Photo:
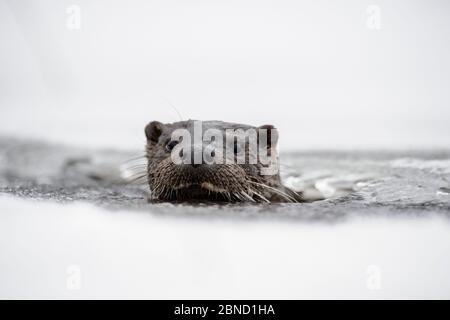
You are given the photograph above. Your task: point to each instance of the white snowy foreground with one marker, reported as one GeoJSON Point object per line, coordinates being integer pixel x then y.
{"type": "Point", "coordinates": [77, 250]}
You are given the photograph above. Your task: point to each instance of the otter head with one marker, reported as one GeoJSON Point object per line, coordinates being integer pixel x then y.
{"type": "Point", "coordinates": [214, 161]}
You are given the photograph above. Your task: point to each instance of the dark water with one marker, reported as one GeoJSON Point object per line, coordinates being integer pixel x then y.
{"type": "Point", "coordinates": [351, 183]}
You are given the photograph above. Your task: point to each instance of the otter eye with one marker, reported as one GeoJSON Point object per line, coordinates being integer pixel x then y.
{"type": "Point", "coordinates": [171, 145]}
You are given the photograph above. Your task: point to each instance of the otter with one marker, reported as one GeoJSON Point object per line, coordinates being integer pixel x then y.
{"type": "Point", "coordinates": [227, 181]}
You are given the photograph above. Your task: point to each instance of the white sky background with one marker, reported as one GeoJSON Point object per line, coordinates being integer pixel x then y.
{"type": "Point", "coordinates": [312, 68]}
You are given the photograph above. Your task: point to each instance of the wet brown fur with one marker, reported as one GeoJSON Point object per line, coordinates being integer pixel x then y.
{"type": "Point", "coordinates": [207, 182]}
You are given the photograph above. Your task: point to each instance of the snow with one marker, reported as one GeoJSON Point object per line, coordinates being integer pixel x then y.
{"type": "Point", "coordinates": [127, 254]}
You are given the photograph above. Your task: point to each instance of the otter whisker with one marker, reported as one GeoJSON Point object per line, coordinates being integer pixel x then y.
{"type": "Point", "coordinates": [283, 194]}
{"type": "Point", "coordinates": [138, 174]}
{"type": "Point", "coordinates": [131, 172]}
{"type": "Point", "coordinates": [247, 196]}
{"type": "Point", "coordinates": [142, 157]}
{"type": "Point", "coordinates": [137, 166]}
{"type": "Point", "coordinates": [238, 196]}
{"type": "Point", "coordinates": [261, 196]}
{"type": "Point", "coordinates": [173, 107]}
{"type": "Point", "coordinates": [137, 180]}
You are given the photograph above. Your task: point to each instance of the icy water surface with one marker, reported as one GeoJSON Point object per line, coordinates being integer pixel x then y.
{"type": "Point", "coordinates": [352, 183]}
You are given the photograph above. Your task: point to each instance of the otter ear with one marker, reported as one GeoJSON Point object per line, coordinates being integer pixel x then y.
{"type": "Point", "coordinates": [153, 131]}
{"type": "Point", "coordinates": [272, 134]}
